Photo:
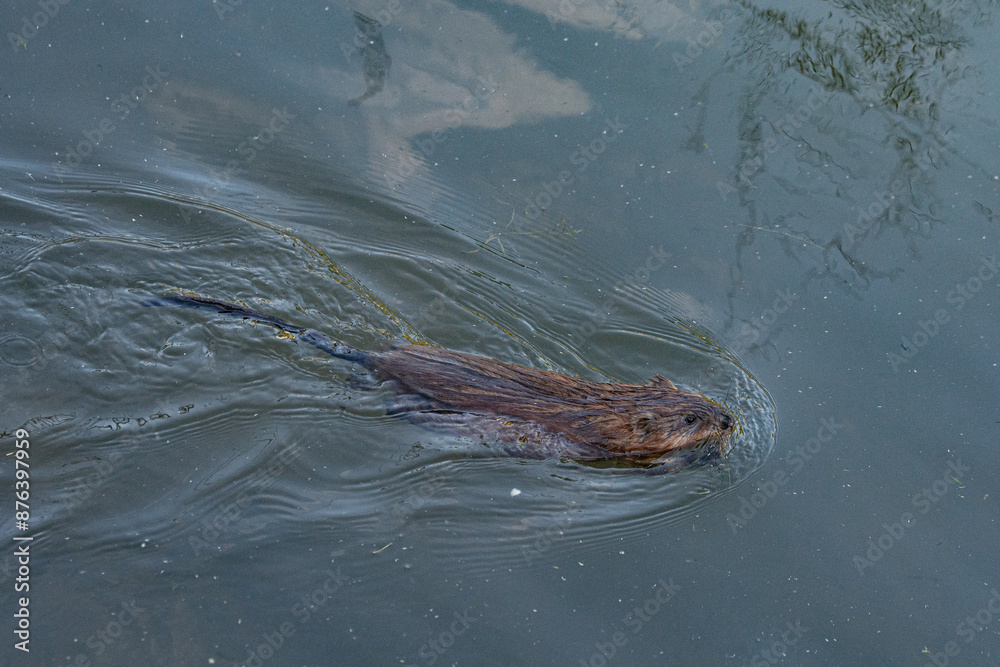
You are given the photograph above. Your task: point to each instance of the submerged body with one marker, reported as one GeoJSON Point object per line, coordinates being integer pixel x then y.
{"type": "Point", "coordinates": [534, 412]}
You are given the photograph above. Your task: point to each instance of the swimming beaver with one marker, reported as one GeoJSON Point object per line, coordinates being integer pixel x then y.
{"type": "Point", "coordinates": [538, 412]}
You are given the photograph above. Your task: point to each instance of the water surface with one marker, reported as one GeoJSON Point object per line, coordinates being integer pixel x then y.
{"type": "Point", "coordinates": [788, 209]}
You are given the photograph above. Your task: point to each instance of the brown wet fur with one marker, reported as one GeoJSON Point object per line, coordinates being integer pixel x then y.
{"type": "Point", "coordinates": [626, 419]}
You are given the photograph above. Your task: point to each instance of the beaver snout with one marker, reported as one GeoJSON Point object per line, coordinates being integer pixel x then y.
{"type": "Point", "coordinates": [725, 421]}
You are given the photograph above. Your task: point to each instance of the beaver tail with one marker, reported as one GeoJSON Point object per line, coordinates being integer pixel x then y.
{"type": "Point", "coordinates": [314, 338]}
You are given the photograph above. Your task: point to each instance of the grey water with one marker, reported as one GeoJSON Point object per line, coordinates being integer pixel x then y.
{"type": "Point", "coordinates": [786, 207]}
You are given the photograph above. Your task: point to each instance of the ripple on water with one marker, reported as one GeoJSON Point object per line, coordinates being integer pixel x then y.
{"type": "Point", "coordinates": [240, 435]}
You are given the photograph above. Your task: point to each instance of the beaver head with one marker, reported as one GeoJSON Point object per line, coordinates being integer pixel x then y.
{"type": "Point", "coordinates": [648, 419]}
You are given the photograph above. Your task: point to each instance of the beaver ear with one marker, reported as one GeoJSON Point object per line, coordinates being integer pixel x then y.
{"type": "Point", "coordinates": [663, 383]}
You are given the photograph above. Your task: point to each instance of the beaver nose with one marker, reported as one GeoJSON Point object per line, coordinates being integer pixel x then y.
{"type": "Point", "coordinates": [727, 421]}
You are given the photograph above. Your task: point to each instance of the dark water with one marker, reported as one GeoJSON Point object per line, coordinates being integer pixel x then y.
{"type": "Point", "coordinates": [789, 209]}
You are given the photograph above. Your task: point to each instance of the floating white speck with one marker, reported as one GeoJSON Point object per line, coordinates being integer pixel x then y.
{"type": "Point", "coordinates": [515, 492]}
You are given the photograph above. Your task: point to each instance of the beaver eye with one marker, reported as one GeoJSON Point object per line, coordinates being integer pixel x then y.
{"type": "Point", "coordinates": [690, 419]}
